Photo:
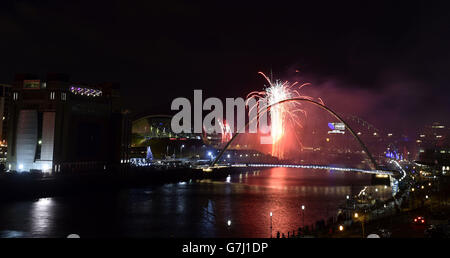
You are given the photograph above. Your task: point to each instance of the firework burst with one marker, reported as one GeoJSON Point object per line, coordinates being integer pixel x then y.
{"type": "Point", "coordinates": [282, 114]}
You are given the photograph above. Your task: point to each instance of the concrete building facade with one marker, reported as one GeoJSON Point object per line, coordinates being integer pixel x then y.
{"type": "Point", "coordinates": [57, 125]}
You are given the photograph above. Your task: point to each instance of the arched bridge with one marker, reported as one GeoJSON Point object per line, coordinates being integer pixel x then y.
{"type": "Point", "coordinates": [375, 170]}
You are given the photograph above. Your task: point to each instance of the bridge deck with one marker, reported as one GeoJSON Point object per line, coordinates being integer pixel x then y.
{"type": "Point", "coordinates": [323, 167]}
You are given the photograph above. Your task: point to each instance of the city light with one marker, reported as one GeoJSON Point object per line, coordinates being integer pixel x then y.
{"type": "Point", "coordinates": [129, 152]}
{"type": "Point", "coordinates": [85, 91]}
{"type": "Point", "coordinates": [46, 168]}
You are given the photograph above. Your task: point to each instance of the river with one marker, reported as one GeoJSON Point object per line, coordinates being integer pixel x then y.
{"type": "Point", "coordinates": [192, 209]}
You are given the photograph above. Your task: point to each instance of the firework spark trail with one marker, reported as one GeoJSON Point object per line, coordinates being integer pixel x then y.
{"type": "Point", "coordinates": [282, 114]}
{"type": "Point", "coordinates": [225, 132]}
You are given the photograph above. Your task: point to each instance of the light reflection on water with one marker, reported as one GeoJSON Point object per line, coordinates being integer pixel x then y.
{"type": "Point", "coordinates": [42, 216]}
{"type": "Point", "coordinates": [192, 209]}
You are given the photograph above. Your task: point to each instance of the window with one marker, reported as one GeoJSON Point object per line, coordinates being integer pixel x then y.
{"type": "Point", "coordinates": [31, 84]}
{"type": "Point", "coordinates": [15, 95]}
{"type": "Point", "coordinates": [63, 96]}
{"type": "Point", "coordinates": [52, 95]}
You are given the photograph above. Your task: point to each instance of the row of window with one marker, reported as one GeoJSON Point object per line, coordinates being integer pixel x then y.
{"type": "Point", "coordinates": [52, 96]}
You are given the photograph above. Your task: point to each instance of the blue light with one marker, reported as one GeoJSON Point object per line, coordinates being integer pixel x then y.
{"type": "Point", "coordinates": [331, 126]}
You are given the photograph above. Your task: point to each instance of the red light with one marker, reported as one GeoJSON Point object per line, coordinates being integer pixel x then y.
{"type": "Point", "coordinates": [423, 221]}
{"type": "Point", "coordinates": [415, 220]}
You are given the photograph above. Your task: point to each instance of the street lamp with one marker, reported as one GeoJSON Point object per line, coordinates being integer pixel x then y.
{"type": "Point", "coordinates": [356, 215]}
{"type": "Point", "coordinates": [229, 227]}
{"type": "Point", "coordinates": [303, 213]}
{"type": "Point", "coordinates": [270, 224]}
{"type": "Point", "coordinates": [341, 228]}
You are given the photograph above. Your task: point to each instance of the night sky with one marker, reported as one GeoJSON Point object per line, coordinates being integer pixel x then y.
{"type": "Point", "coordinates": [389, 62]}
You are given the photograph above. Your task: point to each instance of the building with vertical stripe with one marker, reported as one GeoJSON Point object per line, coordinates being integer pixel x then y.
{"type": "Point", "coordinates": [55, 125]}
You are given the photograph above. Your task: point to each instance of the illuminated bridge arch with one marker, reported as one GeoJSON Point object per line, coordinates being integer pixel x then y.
{"type": "Point", "coordinates": [144, 116]}
{"type": "Point", "coordinates": [310, 101]}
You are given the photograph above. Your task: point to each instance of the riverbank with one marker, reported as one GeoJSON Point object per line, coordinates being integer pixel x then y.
{"type": "Point", "coordinates": [427, 199]}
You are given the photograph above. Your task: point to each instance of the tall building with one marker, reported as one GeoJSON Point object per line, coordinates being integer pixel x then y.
{"type": "Point", "coordinates": [55, 125]}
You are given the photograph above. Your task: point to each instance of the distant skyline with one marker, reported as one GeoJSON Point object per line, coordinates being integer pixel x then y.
{"type": "Point", "coordinates": [389, 60]}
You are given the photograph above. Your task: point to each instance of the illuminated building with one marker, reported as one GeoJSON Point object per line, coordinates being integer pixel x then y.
{"type": "Point", "coordinates": [5, 90]}
{"type": "Point", "coordinates": [433, 144]}
{"type": "Point", "coordinates": [432, 137]}
{"type": "Point", "coordinates": [59, 126]}
{"type": "Point", "coordinates": [4, 103]}
{"type": "Point", "coordinates": [155, 131]}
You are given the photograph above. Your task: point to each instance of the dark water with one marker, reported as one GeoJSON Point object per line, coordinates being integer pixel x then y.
{"type": "Point", "coordinates": [192, 209]}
